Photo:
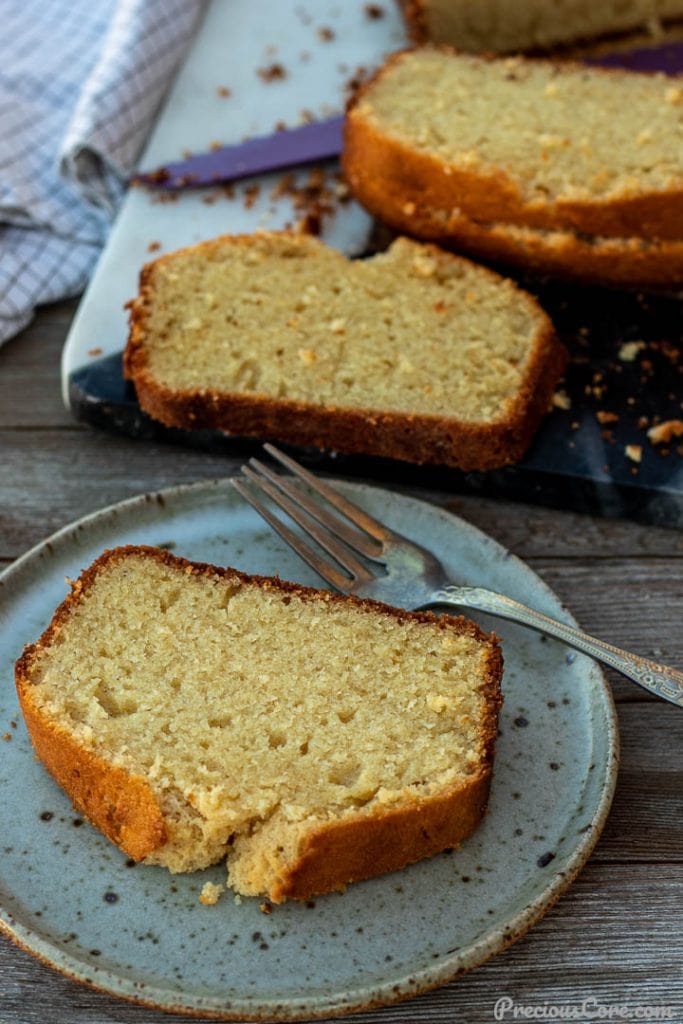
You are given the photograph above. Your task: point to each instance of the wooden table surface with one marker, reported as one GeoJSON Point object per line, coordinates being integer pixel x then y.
{"type": "Point", "coordinates": [615, 938]}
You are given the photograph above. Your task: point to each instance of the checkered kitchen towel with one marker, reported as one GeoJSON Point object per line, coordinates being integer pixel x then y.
{"type": "Point", "coordinates": [80, 83]}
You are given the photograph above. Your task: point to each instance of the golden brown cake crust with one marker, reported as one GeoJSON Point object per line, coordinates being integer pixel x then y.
{"type": "Point", "coordinates": [418, 438]}
{"type": "Point", "coordinates": [124, 808]}
{"type": "Point", "coordinates": [119, 804]}
{"type": "Point", "coordinates": [361, 847]}
{"type": "Point", "coordinates": [375, 163]}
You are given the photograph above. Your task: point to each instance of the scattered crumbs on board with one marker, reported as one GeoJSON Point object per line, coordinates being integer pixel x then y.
{"type": "Point", "coordinates": [663, 433]}
{"type": "Point", "coordinates": [272, 73]}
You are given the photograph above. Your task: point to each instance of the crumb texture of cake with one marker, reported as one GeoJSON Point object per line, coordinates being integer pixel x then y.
{"type": "Point", "coordinates": [195, 713]}
{"type": "Point", "coordinates": [529, 142]}
{"type": "Point", "coordinates": [508, 25]}
{"type": "Point", "coordinates": [413, 353]}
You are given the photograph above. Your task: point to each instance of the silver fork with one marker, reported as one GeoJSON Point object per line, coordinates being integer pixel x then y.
{"type": "Point", "coordinates": [413, 578]}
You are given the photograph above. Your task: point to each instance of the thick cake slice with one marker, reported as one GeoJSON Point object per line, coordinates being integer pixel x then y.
{"type": "Point", "coordinates": [194, 713]}
{"type": "Point", "coordinates": [413, 354]}
{"type": "Point", "coordinates": [538, 144]}
{"type": "Point", "coordinates": [508, 25]}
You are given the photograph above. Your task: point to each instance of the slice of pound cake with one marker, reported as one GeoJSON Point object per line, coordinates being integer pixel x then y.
{"type": "Point", "coordinates": [194, 713]}
{"type": "Point", "coordinates": [412, 354]}
{"type": "Point", "coordinates": [508, 25]}
{"type": "Point", "coordinates": [528, 142]}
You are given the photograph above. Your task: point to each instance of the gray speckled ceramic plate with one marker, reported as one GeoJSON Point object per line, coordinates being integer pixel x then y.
{"type": "Point", "coordinates": [70, 897]}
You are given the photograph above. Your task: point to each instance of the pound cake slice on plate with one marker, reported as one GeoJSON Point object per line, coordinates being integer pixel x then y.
{"type": "Point", "coordinates": [194, 713]}
{"type": "Point", "coordinates": [412, 354]}
{"type": "Point", "coordinates": [528, 142]}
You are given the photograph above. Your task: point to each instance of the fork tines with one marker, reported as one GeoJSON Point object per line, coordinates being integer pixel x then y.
{"type": "Point", "coordinates": [316, 519]}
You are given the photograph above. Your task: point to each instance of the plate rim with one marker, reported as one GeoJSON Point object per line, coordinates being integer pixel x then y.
{"type": "Point", "coordinates": [449, 967]}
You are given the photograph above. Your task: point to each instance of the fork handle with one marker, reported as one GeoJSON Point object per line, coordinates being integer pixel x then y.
{"type": "Point", "coordinates": [664, 682]}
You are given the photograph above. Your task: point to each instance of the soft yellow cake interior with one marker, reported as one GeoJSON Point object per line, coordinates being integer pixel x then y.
{"type": "Point", "coordinates": [412, 330]}
{"type": "Point", "coordinates": [253, 711]}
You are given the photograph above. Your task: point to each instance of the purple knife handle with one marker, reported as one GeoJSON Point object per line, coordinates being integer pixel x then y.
{"type": "Point", "coordinates": [321, 140]}
{"type": "Point", "coordinates": [667, 58]}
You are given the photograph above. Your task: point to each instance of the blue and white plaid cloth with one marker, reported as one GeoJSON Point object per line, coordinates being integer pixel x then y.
{"type": "Point", "coordinates": [80, 83]}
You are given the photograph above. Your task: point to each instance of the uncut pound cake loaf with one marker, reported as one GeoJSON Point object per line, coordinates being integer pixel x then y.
{"type": "Point", "coordinates": [511, 25]}
{"type": "Point", "coordinates": [512, 141]}
{"type": "Point", "coordinates": [412, 354]}
{"type": "Point", "coordinates": [194, 713]}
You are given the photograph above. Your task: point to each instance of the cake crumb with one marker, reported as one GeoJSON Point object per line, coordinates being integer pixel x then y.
{"type": "Point", "coordinates": [266, 907]}
{"type": "Point", "coordinates": [251, 194]}
{"type": "Point", "coordinates": [272, 73]}
{"type": "Point", "coordinates": [224, 92]}
{"type": "Point", "coordinates": [325, 33]}
{"type": "Point", "coordinates": [374, 12]}
{"type": "Point", "coordinates": [97, 351]}
{"type": "Point", "coordinates": [210, 894]}
{"type": "Point", "coordinates": [7, 736]}
{"type": "Point", "coordinates": [634, 452]}
{"type": "Point", "coordinates": [664, 432]}
{"type": "Point", "coordinates": [561, 400]}
{"type": "Point", "coordinates": [154, 247]}
{"type": "Point", "coordinates": [629, 350]}
{"type": "Point", "coordinates": [602, 416]}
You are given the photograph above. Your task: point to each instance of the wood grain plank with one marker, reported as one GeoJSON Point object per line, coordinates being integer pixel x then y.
{"type": "Point", "coordinates": [634, 603]}
{"type": "Point", "coordinates": [646, 819]}
{"type": "Point", "coordinates": [615, 937]}
{"type": "Point", "coordinates": [30, 389]}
